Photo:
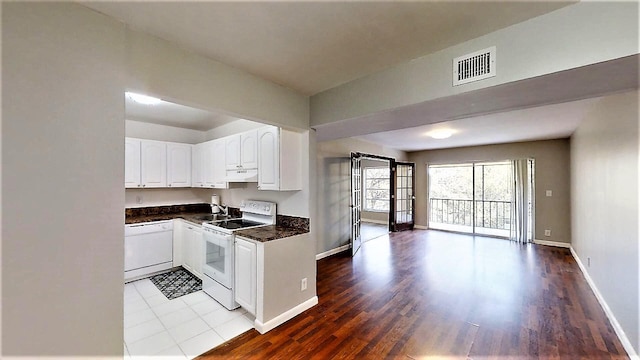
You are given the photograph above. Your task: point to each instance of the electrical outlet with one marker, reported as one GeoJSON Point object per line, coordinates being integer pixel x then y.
{"type": "Point", "coordinates": [303, 284]}
{"type": "Point", "coordinates": [588, 261]}
{"type": "Point", "coordinates": [549, 193]}
{"type": "Point", "coordinates": [547, 233]}
{"type": "Point", "coordinates": [138, 199]}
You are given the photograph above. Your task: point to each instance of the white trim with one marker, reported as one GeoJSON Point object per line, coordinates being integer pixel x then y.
{"type": "Point", "coordinates": [614, 322]}
{"type": "Point", "coordinates": [420, 227]}
{"type": "Point", "coordinates": [333, 251]}
{"type": "Point", "coordinates": [375, 221]}
{"type": "Point", "coordinates": [552, 243]}
{"type": "Point", "coordinates": [285, 316]}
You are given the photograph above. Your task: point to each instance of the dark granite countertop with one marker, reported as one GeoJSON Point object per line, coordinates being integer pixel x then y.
{"type": "Point", "coordinates": [270, 232]}
{"type": "Point", "coordinates": [286, 226]}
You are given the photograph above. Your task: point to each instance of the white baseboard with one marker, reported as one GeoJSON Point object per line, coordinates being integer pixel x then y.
{"type": "Point", "coordinates": [614, 322]}
{"type": "Point", "coordinates": [420, 227]}
{"type": "Point", "coordinates": [375, 221]}
{"type": "Point", "coordinates": [285, 316]}
{"type": "Point", "coordinates": [552, 243]}
{"type": "Point", "coordinates": [333, 251]}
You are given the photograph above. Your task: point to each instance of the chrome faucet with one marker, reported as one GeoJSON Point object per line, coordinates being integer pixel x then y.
{"type": "Point", "coordinates": [223, 207]}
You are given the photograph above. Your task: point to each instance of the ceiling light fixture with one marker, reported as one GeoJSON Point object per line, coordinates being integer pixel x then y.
{"type": "Point", "coordinates": [441, 133]}
{"type": "Point", "coordinates": [143, 99]}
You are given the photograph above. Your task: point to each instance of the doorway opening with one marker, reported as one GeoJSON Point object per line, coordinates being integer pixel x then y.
{"type": "Point", "coordinates": [478, 198]}
{"type": "Point", "coordinates": [380, 187]}
{"type": "Point", "coordinates": [376, 197]}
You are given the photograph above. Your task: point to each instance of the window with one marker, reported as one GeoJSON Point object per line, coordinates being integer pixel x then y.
{"type": "Point", "coordinates": [376, 188]}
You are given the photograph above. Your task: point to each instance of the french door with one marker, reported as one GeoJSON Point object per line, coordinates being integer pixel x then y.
{"type": "Point", "coordinates": [403, 197]}
{"type": "Point", "coordinates": [356, 202]}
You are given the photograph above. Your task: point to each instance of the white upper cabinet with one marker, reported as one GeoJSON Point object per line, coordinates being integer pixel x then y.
{"type": "Point", "coordinates": [153, 163]}
{"type": "Point", "coordinates": [241, 151]}
{"type": "Point", "coordinates": [197, 166]}
{"type": "Point", "coordinates": [208, 165]}
{"type": "Point", "coordinates": [132, 163]}
{"type": "Point", "coordinates": [217, 155]}
{"type": "Point", "coordinates": [249, 149]}
{"type": "Point", "coordinates": [279, 159]}
{"type": "Point", "coordinates": [232, 153]}
{"type": "Point", "coordinates": [178, 165]}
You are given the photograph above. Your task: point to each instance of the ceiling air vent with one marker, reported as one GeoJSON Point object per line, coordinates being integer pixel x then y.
{"type": "Point", "coordinates": [475, 66]}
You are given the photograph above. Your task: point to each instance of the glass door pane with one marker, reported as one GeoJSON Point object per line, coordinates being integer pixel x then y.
{"type": "Point", "coordinates": [493, 198]}
{"type": "Point", "coordinates": [451, 197]}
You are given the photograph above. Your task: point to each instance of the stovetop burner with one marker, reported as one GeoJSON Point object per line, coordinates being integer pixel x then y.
{"type": "Point", "coordinates": [235, 224]}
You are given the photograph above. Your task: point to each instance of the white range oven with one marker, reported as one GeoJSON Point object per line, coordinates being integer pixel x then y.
{"type": "Point", "coordinates": [219, 243]}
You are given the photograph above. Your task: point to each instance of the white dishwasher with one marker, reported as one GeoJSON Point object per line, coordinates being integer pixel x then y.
{"type": "Point", "coordinates": [148, 248]}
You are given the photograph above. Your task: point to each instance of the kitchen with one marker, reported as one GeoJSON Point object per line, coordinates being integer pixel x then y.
{"type": "Point", "coordinates": [182, 196]}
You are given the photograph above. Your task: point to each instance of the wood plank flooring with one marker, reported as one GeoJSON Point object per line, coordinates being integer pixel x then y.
{"type": "Point", "coordinates": [422, 293]}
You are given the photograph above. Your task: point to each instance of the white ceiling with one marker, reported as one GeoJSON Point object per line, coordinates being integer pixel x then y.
{"type": "Point", "coordinates": [314, 46]}
{"type": "Point", "coordinates": [171, 114]}
{"type": "Point", "coordinates": [539, 123]}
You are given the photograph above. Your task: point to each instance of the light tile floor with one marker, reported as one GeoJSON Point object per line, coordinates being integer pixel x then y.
{"type": "Point", "coordinates": [181, 328]}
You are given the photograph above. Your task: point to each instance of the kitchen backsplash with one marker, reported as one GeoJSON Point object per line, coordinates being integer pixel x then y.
{"type": "Point", "coordinates": [292, 222]}
{"type": "Point", "coordinates": [168, 209]}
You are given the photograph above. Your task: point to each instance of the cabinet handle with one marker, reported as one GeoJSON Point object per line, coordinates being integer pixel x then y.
{"type": "Point", "coordinates": [143, 185]}
{"type": "Point", "coordinates": [169, 185]}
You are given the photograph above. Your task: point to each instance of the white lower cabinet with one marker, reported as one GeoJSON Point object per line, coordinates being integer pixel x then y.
{"type": "Point", "coordinates": [189, 250]}
{"type": "Point", "coordinates": [245, 281]}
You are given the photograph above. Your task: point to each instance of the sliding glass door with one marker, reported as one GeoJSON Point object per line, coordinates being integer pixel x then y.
{"type": "Point", "coordinates": [473, 198]}
{"type": "Point", "coordinates": [493, 198]}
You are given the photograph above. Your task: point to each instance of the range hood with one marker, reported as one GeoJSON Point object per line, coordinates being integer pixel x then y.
{"type": "Point", "coordinates": [244, 175]}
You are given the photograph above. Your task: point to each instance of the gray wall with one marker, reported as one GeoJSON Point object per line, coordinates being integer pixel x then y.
{"type": "Point", "coordinates": [62, 184]}
{"type": "Point", "coordinates": [551, 173]}
{"type": "Point", "coordinates": [604, 193]}
{"type": "Point", "coordinates": [333, 171]}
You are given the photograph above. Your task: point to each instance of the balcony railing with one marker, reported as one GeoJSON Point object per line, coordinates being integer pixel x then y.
{"type": "Point", "coordinates": [459, 213]}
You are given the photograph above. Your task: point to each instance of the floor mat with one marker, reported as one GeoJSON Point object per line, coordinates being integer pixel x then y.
{"type": "Point", "coordinates": [176, 283]}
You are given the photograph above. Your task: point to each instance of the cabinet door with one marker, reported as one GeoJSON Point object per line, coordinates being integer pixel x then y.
{"type": "Point", "coordinates": [198, 252]}
{"type": "Point", "coordinates": [132, 163]}
{"type": "Point", "coordinates": [153, 163]}
{"type": "Point", "coordinates": [217, 153]}
{"type": "Point", "coordinates": [178, 240]}
{"type": "Point", "coordinates": [193, 253]}
{"type": "Point", "coordinates": [232, 152]}
{"type": "Point", "coordinates": [178, 165]}
{"type": "Point", "coordinates": [208, 167]}
{"type": "Point", "coordinates": [245, 274]}
{"type": "Point", "coordinates": [249, 149]}
{"type": "Point", "coordinates": [197, 166]}
{"type": "Point", "coordinates": [268, 159]}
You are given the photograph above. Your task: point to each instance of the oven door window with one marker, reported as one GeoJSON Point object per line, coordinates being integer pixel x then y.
{"type": "Point", "coordinates": [218, 260]}
{"type": "Point", "coordinates": [215, 256]}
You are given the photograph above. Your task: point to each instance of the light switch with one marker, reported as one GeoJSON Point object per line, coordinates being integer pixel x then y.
{"type": "Point", "coordinates": [549, 193]}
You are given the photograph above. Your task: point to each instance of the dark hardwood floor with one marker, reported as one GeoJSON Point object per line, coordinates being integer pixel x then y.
{"type": "Point", "coordinates": [419, 294]}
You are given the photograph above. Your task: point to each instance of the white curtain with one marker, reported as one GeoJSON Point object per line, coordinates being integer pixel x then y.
{"type": "Point", "coordinates": [520, 203]}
